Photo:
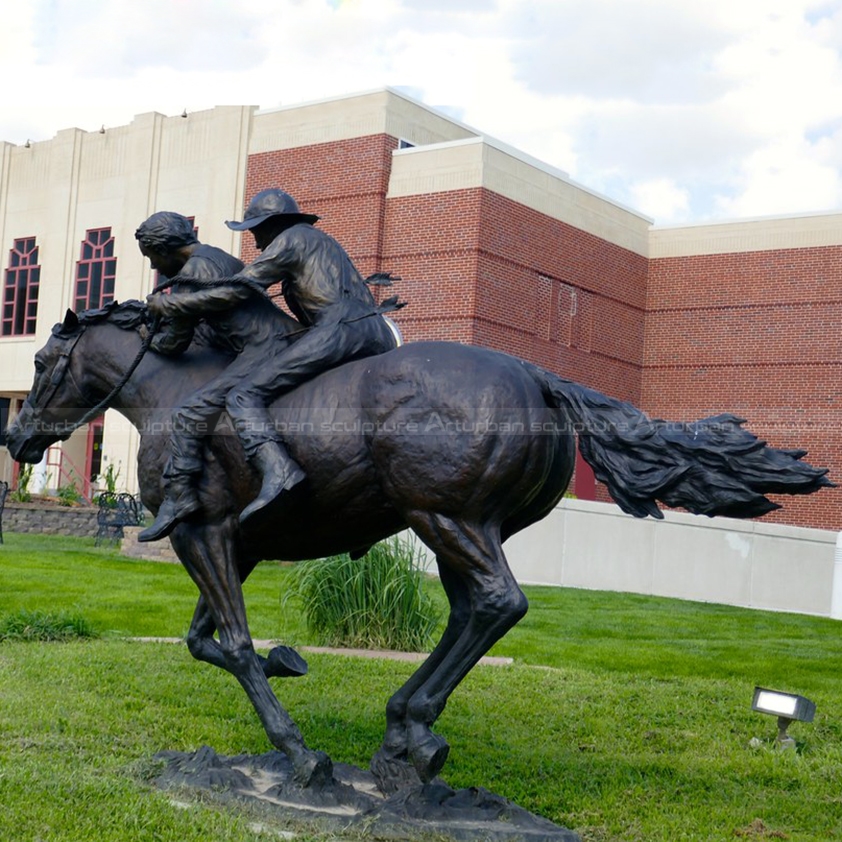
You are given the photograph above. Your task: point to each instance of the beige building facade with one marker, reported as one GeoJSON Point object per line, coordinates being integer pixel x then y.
{"type": "Point", "coordinates": [497, 248]}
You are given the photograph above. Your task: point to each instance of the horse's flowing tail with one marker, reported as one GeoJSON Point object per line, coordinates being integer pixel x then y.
{"type": "Point", "coordinates": [710, 467]}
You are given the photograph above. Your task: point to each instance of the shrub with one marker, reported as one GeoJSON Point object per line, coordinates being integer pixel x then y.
{"type": "Point", "coordinates": [68, 495]}
{"type": "Point", "coordinates": [42, 626]}
{"type": "Point", "coordinates": [377, 601]}
{"type": "Point", "coordinates": [22, 494]}
{"type": "Point", "coordinates": [110, 478]}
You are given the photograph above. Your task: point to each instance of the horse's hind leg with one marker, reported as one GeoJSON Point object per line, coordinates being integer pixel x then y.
{"type": "Point", "coordinates": [488, 602]}
{"type": "Point", "coordinates": [208, 556]}
{"type": "Point", "coordinates": [390, 765]}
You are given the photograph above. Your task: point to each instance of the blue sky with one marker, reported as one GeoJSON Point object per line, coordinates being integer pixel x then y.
{"type": "Point", "coordinates": [686, 111]}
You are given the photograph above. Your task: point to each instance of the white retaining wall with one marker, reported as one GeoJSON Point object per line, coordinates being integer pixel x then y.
{"type": "Point", "coordinates": [746, 563]}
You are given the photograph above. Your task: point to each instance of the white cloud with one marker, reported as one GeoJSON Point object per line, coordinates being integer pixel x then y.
{"type": "Point", "coordinates": [681, 109]}
{"type": "Point", "coordinates": [652, 51]}
{"type": "Point", "coordinates": [779, 180]}
{"type": "Point", "coordinates": [662, 199]}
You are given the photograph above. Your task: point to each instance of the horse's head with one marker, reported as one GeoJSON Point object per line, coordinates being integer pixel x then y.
{"type": "Point", "coordinates": [53, 402]}
{"type": "Point", "coordinates": [60, 395]}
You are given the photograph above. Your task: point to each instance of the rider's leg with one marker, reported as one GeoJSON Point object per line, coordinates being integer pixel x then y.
{"type": "Point", "coordinates": [321, 348]}
{"type": "Point", "coordinates": [184, 466]}
{"type": "Point", "coordinates": [279, 471]}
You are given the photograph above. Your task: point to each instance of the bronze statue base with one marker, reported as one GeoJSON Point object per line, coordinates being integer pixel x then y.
{"type": "Point", "coordinates": [354, 801]}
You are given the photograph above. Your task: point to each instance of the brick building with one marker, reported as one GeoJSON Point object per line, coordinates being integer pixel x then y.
{"type": "Point", "coordinates": [494, 248]}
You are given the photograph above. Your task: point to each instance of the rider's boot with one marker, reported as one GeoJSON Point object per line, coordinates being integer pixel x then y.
{"type": "Point", "coordinates": [280, 473]}
{"type": "Point", "coordinates": [180, 501]}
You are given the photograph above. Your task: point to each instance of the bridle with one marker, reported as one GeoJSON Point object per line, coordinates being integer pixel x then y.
{"type": "Point", "coordinates": [62, 369]}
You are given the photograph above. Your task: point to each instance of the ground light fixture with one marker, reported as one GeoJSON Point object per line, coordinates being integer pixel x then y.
{"type": "Point", "coordinates": [788, 707]}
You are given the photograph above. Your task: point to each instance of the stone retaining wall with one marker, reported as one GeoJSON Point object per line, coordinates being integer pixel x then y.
{"type": "Point", "coordinates": [49, 520]}
{"type": "Point", "coordinates": [151, 551]}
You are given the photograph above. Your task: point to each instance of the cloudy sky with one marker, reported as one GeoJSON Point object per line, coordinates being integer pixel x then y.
{"type": "Point", "coordinates": [686, 110]}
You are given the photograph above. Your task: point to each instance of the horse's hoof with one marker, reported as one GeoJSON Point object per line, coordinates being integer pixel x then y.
{"type": "Point", "coordinates": [284, 662]}
{"type": "Point", "coordinates": [392, 773]}
{"type": "Point", "coordinates": [429, 756]}
{"type": "Point", "coordinates": [314, 770]}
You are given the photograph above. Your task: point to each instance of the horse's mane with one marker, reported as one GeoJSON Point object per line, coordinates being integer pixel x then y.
{"type": "Point", "coordinates": [134, 315]}
{"type": "Point", "coordinates": [128, 316]}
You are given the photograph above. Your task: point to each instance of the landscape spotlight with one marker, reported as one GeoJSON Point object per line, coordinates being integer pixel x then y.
{"type": "Point", "coordinates": [788, 707]}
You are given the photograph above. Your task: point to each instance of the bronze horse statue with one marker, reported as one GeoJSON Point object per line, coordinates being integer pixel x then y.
{"type": "Point", "coordinates": [464, 445]}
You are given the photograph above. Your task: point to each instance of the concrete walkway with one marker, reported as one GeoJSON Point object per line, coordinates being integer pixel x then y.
{"type": "Point", "coordinates": [383, 654]}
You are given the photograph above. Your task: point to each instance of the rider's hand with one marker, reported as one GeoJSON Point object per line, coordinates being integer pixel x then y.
{"type": "Point", "coordinates": [155, 303]}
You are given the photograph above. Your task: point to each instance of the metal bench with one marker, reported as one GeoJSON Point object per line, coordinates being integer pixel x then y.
{"type": "Point", "coordinates": [115, 512]}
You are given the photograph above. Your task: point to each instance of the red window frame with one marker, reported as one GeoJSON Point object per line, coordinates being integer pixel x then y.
{"type": "Point", "coordinates": [20, 290]}
{"type": "Point", "coordinates": [96, 270]}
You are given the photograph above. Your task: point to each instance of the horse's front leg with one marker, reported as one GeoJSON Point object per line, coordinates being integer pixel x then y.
{"type": "Point", "coordinates": [207, 552]}
{"type": "Point", "coordinates": [282, 661]}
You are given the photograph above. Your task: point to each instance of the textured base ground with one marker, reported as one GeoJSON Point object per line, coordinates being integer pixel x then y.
{"type": "Point", "coordinates": [353, 800]}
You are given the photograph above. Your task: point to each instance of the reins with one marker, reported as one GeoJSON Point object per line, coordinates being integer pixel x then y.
{"type": "Point", "coordinates": [62, 366]}
{"type": "Point", "coordinates": [210, 282]}
{"type": "Point", "coordinates": [104, 404]}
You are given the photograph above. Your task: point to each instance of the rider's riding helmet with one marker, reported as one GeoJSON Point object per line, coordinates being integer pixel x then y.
{"type": "Point", "coordinates": [269, 203]}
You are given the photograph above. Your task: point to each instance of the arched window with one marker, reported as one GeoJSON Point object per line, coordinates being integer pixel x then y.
{"type": "Point", "coordinates": [20, 292]}
{"type": "Point", "coordinates": [96, 270]}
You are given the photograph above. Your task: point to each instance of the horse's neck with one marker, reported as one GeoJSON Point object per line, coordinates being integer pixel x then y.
{"type": "Point", "coordinates": [159, 383]}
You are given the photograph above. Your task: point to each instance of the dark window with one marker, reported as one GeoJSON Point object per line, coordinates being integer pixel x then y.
{"type": "Point", "coordinates": [20, 292]}
{"type": "Point", "coordinates": [95, 270]}
{"type": "Point", "coordinates": [4, 419]}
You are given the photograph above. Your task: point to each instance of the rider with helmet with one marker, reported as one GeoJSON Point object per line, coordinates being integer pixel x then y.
{"type": "Point", "coordinates": [340, 322]}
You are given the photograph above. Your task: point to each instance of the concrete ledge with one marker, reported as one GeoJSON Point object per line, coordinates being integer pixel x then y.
{"type": "Point", "coordinates": [751, 564]}
{"type": "Point", "coordinates": [152, 551]}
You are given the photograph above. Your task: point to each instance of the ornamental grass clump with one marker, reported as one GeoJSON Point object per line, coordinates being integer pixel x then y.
{"type": "Point", "coordinates": [43, 626]}
{"type": "Point", "coordinates": [375, 602]}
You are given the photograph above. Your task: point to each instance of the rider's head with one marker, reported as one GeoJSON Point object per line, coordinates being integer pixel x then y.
{"type": "Point", "coordinates": [165, 238]}
{"type": "Point", "coordinates": [270, 212]}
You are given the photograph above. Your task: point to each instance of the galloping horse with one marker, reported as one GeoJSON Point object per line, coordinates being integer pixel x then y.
{"type": "Point", "coordinates": [464, 445]}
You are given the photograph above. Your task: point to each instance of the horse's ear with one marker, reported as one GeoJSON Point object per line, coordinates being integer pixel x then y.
{"type": "Point", "coordinates": [71, 321]}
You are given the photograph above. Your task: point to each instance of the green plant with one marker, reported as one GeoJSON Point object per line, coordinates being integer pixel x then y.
{"type": "Point", "coordinates": [377, 601]}
{"type": "Point", "coordinates": [43, 626]}
{"type": "Point", "coordinates": [22, 494]}
{"type": "Point", "coordinates": [110, 478]}
{"type": "Point", "coordinates": [68, 495]}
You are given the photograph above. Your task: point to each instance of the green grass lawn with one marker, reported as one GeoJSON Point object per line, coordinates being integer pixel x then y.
{"type": "Point", "coordinates": [624, 717]}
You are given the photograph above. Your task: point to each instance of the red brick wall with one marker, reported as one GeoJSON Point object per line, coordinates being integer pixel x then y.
{"type": "Point", "coordinates": [475, 267]}
{"type": "Point", "coordinates": [431, 242]}
{"type": "Point", "coordinates": [560, 297]}
{"type": "Point", "coordinates": [756, 334]}
{"type": "Point", "coordinates": [751, 333]}
{"type": "Point", "coordinates": [344, 183]}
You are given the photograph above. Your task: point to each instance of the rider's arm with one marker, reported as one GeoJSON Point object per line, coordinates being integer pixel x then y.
{"type": "Point", "coordinates": [280, 260]}
{"type": "Point", "coordinates": [199, 303]}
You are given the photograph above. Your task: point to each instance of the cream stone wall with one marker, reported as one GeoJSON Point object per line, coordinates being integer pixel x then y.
{"type": "Point", "coordinates": [56, 190]}
{"type": "Point", "coordinates": [786, 232]}
{"type": "Point", "coordinates": [483, 162]}
{"type": "Point", "coordinates": [752, 564]}
{"type": "Point", "coordinates": [326, 121]}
